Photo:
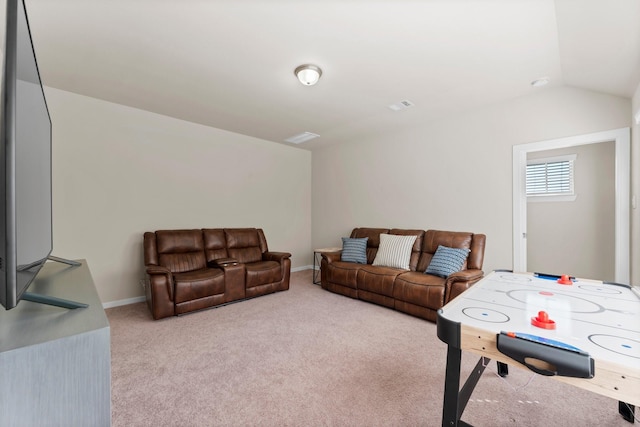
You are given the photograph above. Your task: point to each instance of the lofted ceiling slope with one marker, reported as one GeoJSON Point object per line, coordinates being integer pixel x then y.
{"type": "Point", "coordinates": [229, 63]}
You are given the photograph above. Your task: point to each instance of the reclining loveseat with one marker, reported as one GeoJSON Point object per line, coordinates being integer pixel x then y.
{"type": "Point", "coordinates": [420, 287]}
{"type": "Point", "coordinates": [190, 270]}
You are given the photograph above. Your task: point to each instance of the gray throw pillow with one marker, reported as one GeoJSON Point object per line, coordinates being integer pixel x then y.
{"type": "Point", "coordinates": [354, 249]}
{"type": "Point", "coordinates": [447, 261]}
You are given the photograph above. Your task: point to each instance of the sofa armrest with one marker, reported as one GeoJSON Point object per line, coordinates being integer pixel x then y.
{"type": "Point", "coordinates": [331, 256]}
{"type": "Point", "coordinates": [460, 281]}
{"type": "Point", "coordinates": [159, 276]}
{"type": "Point", "coordinates": [157, 269]}
{"type": "Point", "coordinates": [276, 256]}
{"type": "Point", "coordinates": [222, 262]}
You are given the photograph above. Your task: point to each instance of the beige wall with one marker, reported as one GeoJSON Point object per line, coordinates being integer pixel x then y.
{"type": "Point", "coordinates": [453, 174]}
{"type": "Point", "coordinates": [577, 237]}
{"type": "Point", "coordinates": [635, 191]}
{"type": "Point", "coordinates": [119, 171]}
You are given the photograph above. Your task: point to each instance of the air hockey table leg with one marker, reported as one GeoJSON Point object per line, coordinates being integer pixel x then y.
{"type": "Point", "coordinates": [503, 369]}
{"type": "Point", "coordinates": [456, 399]}
{"type": "Point", "coordinates": [627, 411]}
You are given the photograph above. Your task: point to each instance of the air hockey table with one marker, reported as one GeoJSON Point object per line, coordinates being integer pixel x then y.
{"type": "Point", "coordinates": [582, 332]}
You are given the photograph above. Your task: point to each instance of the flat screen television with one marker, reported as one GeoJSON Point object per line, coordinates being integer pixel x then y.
{"type": "Point", "coordinates": [26, 237]}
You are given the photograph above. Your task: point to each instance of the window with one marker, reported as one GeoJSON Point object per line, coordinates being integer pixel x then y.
{"type": "Point", "coordinates": [550, 179]}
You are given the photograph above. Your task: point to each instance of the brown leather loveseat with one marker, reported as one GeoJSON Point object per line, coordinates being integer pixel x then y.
{"type": "Point", "coordinates": [408, 290]}
{"type": "Point", "coordinates": [190, 270]}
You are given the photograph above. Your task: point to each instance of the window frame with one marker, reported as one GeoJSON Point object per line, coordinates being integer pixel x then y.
{"type": "Point", "coordinates": [568, 196]}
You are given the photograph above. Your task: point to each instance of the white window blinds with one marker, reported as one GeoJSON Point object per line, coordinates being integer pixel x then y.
{"type": "Point", "coordinates": [550, 177]}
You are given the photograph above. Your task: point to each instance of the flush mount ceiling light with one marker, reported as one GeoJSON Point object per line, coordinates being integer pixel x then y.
{"type": "Point", "coordinates": [540, 82]}
{"type": "Point", "coordinates": [308, 74]}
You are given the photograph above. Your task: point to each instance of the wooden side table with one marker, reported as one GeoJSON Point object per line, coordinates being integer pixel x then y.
{"type": "Point", "coordinates": [317, 259]}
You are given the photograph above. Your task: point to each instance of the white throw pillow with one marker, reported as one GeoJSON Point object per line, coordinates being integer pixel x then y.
{"type": "Point", "coordinates": [394, 251]}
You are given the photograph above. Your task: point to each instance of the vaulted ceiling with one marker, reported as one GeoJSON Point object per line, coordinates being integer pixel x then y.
{"type": "Point", "coordinates": [229, 63]}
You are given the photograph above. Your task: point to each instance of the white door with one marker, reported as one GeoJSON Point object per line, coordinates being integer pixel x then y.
{"type": "Point", "coordinates": [575, 235]}
{"type": "Point", "coordinates": [621, 138]}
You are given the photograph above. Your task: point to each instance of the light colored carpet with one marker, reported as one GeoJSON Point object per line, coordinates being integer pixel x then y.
{"type": "Point", "coordinates": [307, 357]}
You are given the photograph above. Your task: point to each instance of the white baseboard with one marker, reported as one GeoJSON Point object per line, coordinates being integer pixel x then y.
{"type": "Point", "coordinates": [123, 302]}
{"type": "Point", "coordinates": [142, 298]}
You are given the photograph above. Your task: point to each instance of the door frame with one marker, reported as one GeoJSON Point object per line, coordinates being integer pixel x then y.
{"type": "Point", "coordinates": [622, 139]}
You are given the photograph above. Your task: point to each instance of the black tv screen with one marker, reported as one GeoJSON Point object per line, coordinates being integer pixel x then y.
{"type": "Point", "coordinates": [25, 155]}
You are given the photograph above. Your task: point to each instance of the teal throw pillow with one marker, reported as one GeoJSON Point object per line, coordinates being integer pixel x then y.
{"type": "Point", "coordinates": [447, 261]}
{"type": "Point", "coordinates": [354, 249]}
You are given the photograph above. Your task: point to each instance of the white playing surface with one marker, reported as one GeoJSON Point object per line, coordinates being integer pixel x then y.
{"type": "Point", "coordinates": [601, 319]}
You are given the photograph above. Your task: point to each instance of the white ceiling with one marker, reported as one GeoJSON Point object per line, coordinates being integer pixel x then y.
{"type": "Point", "coordinates": [229, 63]}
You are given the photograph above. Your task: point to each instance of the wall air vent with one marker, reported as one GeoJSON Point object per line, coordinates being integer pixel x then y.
{"type": "Point", "coordinates": [402, 105]}
{"type": "Point", "coordinates": [302, 137]}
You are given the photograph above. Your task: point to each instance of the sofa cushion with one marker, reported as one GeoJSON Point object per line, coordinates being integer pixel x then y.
{"type": "Point", "coordinates": [420, 289]}
{"type": "Point", "coordinates": [262, 273]}
{"type": "Point", "coordinates": [196, 284]}
{"type": "Point", "coordinates": [447, 261]}
{"type": "Point", "coordinates": [377, 279]}
{"type": "Point", "coordinates": [180, 250]}
{"type": "Point", "coordinates": [354, 250]}
{"type": "Point", "coordinates": [394, 251]}
{"type": "Point", "coordinates": [215, 243]}
{"type": "Point", "coordinates": [243, 244]}
{"type": "Point", "coordinates": [343, 273]}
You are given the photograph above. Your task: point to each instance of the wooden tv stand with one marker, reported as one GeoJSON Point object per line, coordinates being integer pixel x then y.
{"type": "Point", "coordinates": [55, 363]}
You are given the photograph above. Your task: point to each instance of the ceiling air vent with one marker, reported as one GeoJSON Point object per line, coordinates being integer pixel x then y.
{"type": "Point", "coordinates": [402, 105]}
{"type": "Point", "coordinates": [302, 137]}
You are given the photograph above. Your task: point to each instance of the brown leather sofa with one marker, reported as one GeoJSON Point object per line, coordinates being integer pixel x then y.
{"type": "Point", "coordinates": [190, 270]}
{"type": "Point", "coordinates": [410, 291]}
